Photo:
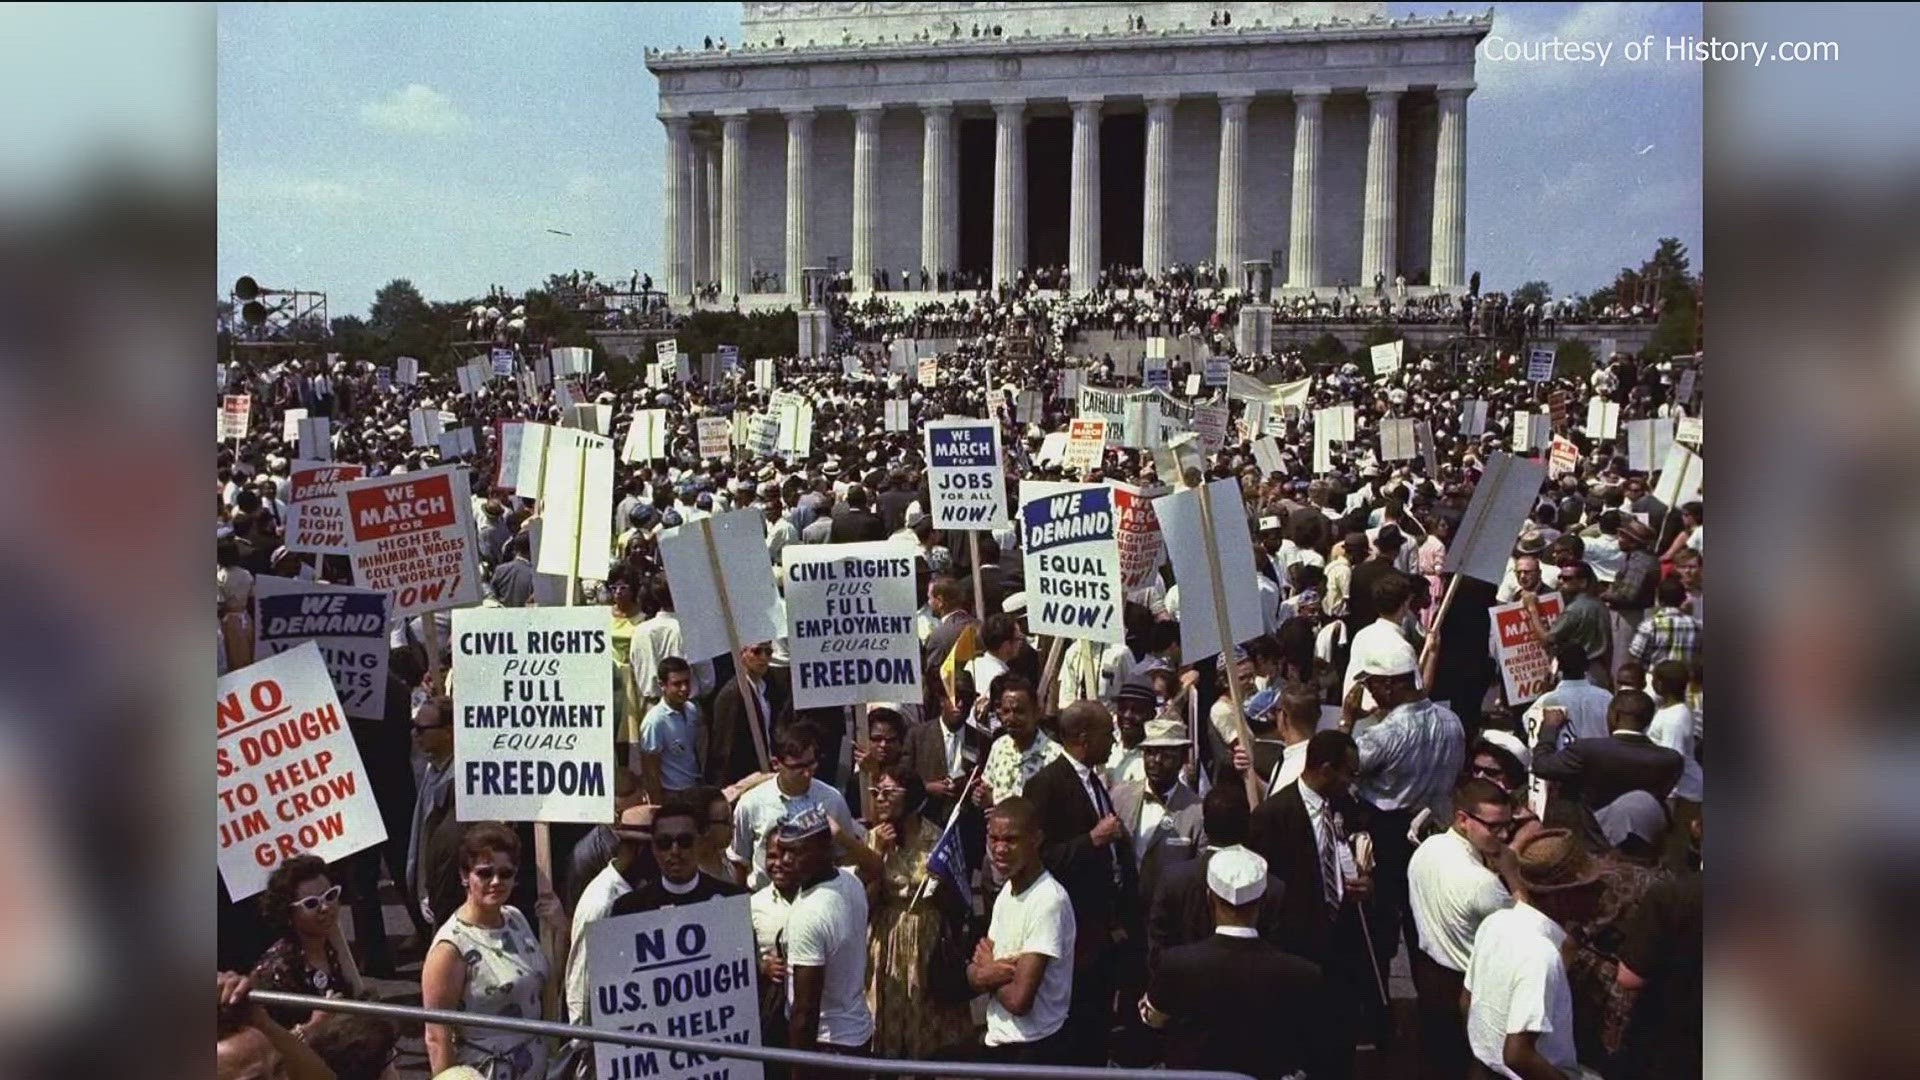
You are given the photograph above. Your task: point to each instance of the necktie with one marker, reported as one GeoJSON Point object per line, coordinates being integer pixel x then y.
{"type": "Point", "coordinates": [1329, 866]}
{"type": "Point", "coordinates": [1102, 805]}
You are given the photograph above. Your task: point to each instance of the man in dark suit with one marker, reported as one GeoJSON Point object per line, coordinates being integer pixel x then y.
{"type": "Point", "coordinates": [1592, 773]}
{"type": "Point", "coordinates": [1233, 1001]}
{"type": "Point", "coordinates": [857, 523]}
{"type": "Point", "coordinates": [1181, 914]}
{"type": "Point", "coordinates": [729, 754]}
{"type": "Point", "coordinates": [1088, 851]}
{"type": "Point", "coordinates": [1302, 833]}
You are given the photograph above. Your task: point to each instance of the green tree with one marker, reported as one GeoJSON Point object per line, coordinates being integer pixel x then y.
{"type": "Point", "coordinates": [1533, 292]}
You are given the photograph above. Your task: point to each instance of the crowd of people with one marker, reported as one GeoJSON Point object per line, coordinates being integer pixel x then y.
{"type": "Point", "coordinates": [1129, 900]}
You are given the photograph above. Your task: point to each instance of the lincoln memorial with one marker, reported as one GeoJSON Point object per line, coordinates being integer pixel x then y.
{"type": "Point", "coordinates": [987, 138]}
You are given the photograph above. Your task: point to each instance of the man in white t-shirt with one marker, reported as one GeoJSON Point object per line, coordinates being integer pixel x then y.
{"type": "Point", "coordinates": [1025, 963]}
{"type": "Point", "coordinates": [826, 945]}
{"type": "Point", "coordinates": [1451, 889]}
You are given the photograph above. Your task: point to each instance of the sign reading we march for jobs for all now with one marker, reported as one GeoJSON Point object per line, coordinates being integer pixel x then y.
{"type": "Point", "coordinates": [963, 463]}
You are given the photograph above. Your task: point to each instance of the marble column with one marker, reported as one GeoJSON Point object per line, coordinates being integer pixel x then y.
{"type": "Point", "coordinates": [866, 179]}
{"type": "Point", "coordinates": [733, 204]}
{"type": "Point", "coordinates": [1303, 255]}
{"type": "Point", "coordinates": [1378, 234]}
{"type": "Point", "coordinates": [1156, 247]}
{"type": "Point", "coordinates": [1450, 191]}
{"type": "Point", "coordinates": [1083, 232]}
{"type": "Point", "coordinates": [702, 204]}
{"type": "Point", "coordinates": [799, 169]}
{"type": "Point", "coordinates": [1229, 223]}
{"type": "Point", "coordinates": [714, 199]}
{"type": "Point", "coordinates": [678, 280]}
{"type": "Point", "coordinates": [1009, 186]}
{"type": "Point", "coordinates": [936, 148]}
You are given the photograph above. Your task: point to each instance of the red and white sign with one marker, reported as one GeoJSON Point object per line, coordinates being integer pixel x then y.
{"type": "Point", "coordinates": [233, 415]}
{"type": "Point", "coordinates": [412, 537]}
{"type": "Point", "coordinates": [315, 519]}
{"type": "Point", "coordinates": [288, 779]}
{"type": "Point", "coordinates": [1141, 546]}
{"type": "Point", "coordinates": [1086, 444]}
{"type": "Point", "coordinates": [1525, 665]}
{"type": "Point", "coordinates": [1563, 457]}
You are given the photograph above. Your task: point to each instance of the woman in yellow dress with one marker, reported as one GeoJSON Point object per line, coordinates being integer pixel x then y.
{"type": "Point", "coordinates": [910, 1019]}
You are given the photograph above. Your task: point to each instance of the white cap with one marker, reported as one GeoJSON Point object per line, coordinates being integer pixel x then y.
{"type": "Point", "coordinates": [1237, 875]}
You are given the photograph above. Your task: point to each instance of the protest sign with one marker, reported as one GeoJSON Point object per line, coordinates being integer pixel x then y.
{"type": "Point", "coordinates": [234, 410]}
{"type": "Point", "coordinates": [578, 513]}
{"type": "Point", "coordinates": [288, 777]}
{"type": "Point", "coordinates": [1603, 419]}
{"type": "Point", "coordinates": [502, 362]}
{"type": "Point", "coordinates": [714, 433]}
{"type": "Point", "coordinates": [1215, 371]}
{"type": "Point", "coordinates": [407, 370]}
{"type": "Point", "coordinates": [687, 972]}
{"type": "Point", "coordinates": [929, 371]}
{"type": "Point", "coordinates": [1072, 561]}
{"type": "Point", "coordinates": [411, 536]}
{"type": "Point", "coordinates": [1397, 440]}
{"type": "Point", "coordinates": [316, 438]}
{"type": "Point", "coordinates": [666, 350]}
{"type": "Point", "coordinates": [1540, 364]}
{"type": "Point", "coordinates": [1525, 665]}
{"type": "Point", "coordinates": [1138, 533]}
{"type": "Point", "coordinates": [1195, 564]}
{"type": "Point", "coordinates": [1501, 502]}
{"type": "Point", "coordinates": [1210, 424]}
{"type": "Point", "coordinates": [1691, 430]}
{"type": "Point", "coordinates": [745, 572]}
{"type": "Point", "coordinates": [290, 424]}
{"type": "Point", "coordinates": [897, 415]}
{"type": "Point", "coordinates": [316, 522]}
{"type": "Point", "coordinates": [1086, 444]}
{"type": "Point", "coordinates": [1473, 419]}
{"type": "Point", "coordinates": [646, 436]}
{"type": "Point", "coordinates": [1266, 453]}
{"type": "Point", "coordinates": [1155, 374]}
{"type": "Point", "coordinates": [533, 714]}
{"type": "Point", "coordinates": [457, 443]}
{"type": "Point", "coordinates": [963, 464]}
{"type": "Point", "coordinates": [850, 629]}
{"type": "Point", "coordinates": [1563, 457]}
{"type": "Point", "coordinates": [348, 624]}
{"type": "Point", "coordinates": [1386, 357]}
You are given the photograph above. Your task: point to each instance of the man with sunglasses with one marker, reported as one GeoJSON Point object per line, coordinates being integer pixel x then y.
{"type": "Point", "coordinates": [1452, 886]}
{"type": "Point", "coordinates": [676, 836]}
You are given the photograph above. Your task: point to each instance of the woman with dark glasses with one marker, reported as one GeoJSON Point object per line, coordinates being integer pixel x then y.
{"type": "Point", "coordinates": [486, 959]}
{"type": "Point", "coordinates": [302, 904]}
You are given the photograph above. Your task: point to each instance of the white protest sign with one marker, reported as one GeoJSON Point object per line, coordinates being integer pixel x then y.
{"type": "Point", "coordinates": [1501, 502]}
{"type": "Point", "coordinates": [288, 779]}
{"type": "Point", "coordinates": [1473, 419]}
{"type": "Point", "coordinates": [1086, 444]}
{"type": "Point", "coordinates": [1397, 442]}
{"type": "Point", "coordinates": [290, 424]}
{"type": "Point", "coordinates": [646, 436]}
{"type": "Point", "coordinates": [850, 633]}
{"type": "Point", "coordinates": [1525, 665]}
{"type": "Point", "coordinates": [688, 971]}
{"type": "Point", "coordinates": [349, 625]}
{"type": "Point", "coordinates": [1266, 453]}
{"type": "Point", "coordinates": [929, 371]}
{"type": "Point", "coordinates": [1540, 364]}
{"type": "Point", "coordinates": [963, 465]}
{"type": "Point", "coordinates": [1603, 419]}
{"type": "Point", "coordinates": [1386, 357]}
{"type": "Point", "coordinates": [406, 371]}
{"type": "Point", "coordinates": [316, 438]}
{"type": "Point", "coordinates": [1232, 554]}
{"type": "Point", "coordinates": [533, 714]}
{"type": "Point", "coordinates": [412, 537]}
{"type": "Point", "coordinates": [502, 362]}
{"type": "Point", "coordinates": [1072, 561]}
{"type": "Point", "coordinates": [715, 436]}
{"type": "Point", "coordinates": [578, 505]}
{"type": "Point", "coordinates": [1691, 430]}
{"type": "Point", "coordinates": [1155, 374]}
{"type": "Point", "coordinates": [316, 521]}
{"type": "Point", "coordinates": [234, 410]}
{"type": "Point", "coordinates": [1216, 370]}
{"type": "Point", "coordinates": [1138, 533]}
{"type": "Point", "coordinates": [740, 543]}
{"type": "Point", "coordinates": [897, 415]}
{"type": "Point", "coordinates": [666, 350]}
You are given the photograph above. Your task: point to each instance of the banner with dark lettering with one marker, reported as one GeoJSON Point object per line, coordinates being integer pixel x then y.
{"type": "Point", "coordinates": [349, 625]}
{"type": "Point", "coordinates": [411, 537]}
{"type": "Point", "coordinates": [850, 631]}
{"type": "Point", "coordinates": [1072, 561]}
{"type": "Point", "coordinates": [533, 714]}
{"type": "Point", "coordinates": [315, 520]}
{"type": "Point", "coordinates": [688, 972]}
{"type": "Point", "coordinates": [287, 777]}
{"type": "Point", "coordinates": [963, 470]}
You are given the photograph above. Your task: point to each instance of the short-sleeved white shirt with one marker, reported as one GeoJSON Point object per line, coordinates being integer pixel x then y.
{"type": "Point", "coordinates": [1452, 892]}
{"type": "Point", "coordinates": [827, 928]}
{"type": "Point", "coordinates": [1519, 983]}
{"type": "Point", "coordinates": [1039, 920]}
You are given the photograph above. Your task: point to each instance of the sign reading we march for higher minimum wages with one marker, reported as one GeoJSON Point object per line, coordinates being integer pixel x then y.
{"type": "Point", "coordinates": [963, 462]}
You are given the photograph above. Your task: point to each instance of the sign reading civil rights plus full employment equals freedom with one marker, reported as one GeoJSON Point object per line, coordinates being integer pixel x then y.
{"type": "Point", "coordinates": [963, 465]}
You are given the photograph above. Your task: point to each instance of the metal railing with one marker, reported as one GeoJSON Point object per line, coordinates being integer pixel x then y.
{"type": "Point", "coordinates": [870, 1065]}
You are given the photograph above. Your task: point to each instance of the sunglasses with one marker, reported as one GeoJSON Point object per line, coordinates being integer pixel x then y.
{"type": "Point", "coordinates": [315, 903]}
{"type": "Point", "coordinates": [674, 840]}
{"type": "Point", "coordinates": [485, 872]}
{"type": "Point", "coordinates": [1497, 828]}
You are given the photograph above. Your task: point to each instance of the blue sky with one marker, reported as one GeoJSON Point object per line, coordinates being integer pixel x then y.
{"type": "Point", "coordinates": [440, 142]}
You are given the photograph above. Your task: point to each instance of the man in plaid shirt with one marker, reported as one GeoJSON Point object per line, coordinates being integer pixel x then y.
{"type": "Point", "coordinates": [1669, 633]}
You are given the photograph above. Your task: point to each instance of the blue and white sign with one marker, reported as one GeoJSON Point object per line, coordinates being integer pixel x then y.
{"type": "Point", "coordinates": [1072, 561]}
{"type": "Point", "coordinates": [963, 466]}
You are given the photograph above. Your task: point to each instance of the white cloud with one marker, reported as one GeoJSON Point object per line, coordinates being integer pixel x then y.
{"type": "Point", "coordinates": [416, 110]}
